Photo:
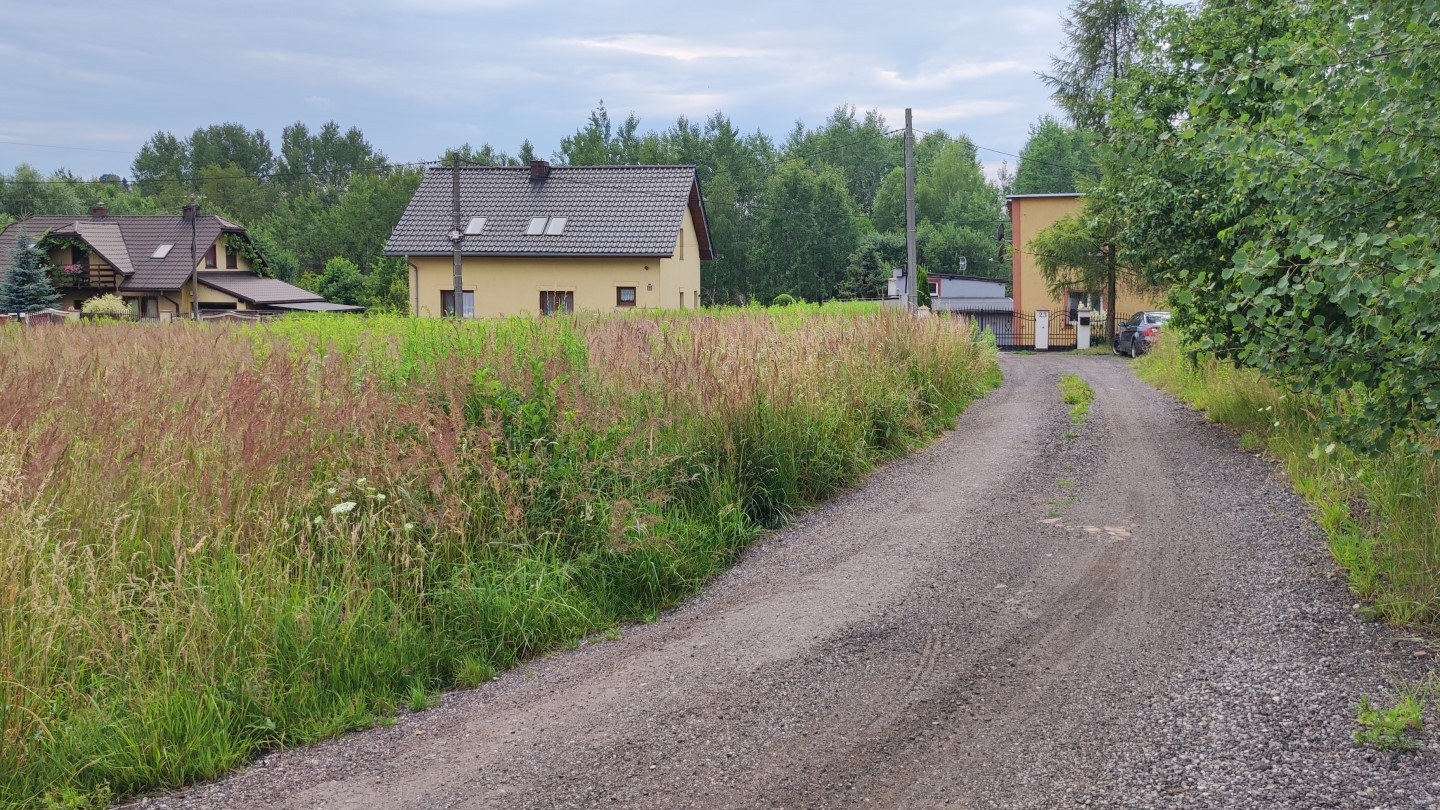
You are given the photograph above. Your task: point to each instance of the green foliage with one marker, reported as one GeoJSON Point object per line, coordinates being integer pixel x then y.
{"type": "Point", "coordinates": [860, 149]}
{"type": "Point", "coordinates": [1293, 200]}
{"type": "Point", "coordinates": [783, 300]}
{"type": "Point", "coordinates": [27, 193]}
{"type": "Point", "coordinates": [1389, 729]}
{"type": "Point", "coordinates": [807, 232]}
{"type": "Point", "coordinates": [109, 304]}
{"type": "Point", "coordinates": [1056, 159]}
{"type": "Point", "coordinates": [871, 266]}
{"type": "Point", "coordinates": [342, 283]}
{"type": "Point", "coordinates": [1078, 394]}
{"type": "Point", "coordinates": [26, 286]}
{"type": "Point", "coordinates": [1102, 38]}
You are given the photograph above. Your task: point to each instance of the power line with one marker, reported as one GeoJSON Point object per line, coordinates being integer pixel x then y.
{"type": "Point", "coordinates": [1090, 169]}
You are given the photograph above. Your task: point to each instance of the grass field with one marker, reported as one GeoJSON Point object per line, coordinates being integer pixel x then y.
{"type": "Point", "coordinates": [219, 540]}
{"type": "Point", "coordinates": [1381, 514]}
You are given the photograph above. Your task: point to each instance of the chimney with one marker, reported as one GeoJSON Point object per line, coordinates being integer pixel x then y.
{"type": "Point", "coordinates": [190, 211]}
{"type": "Point", "coordinates": [98, 210]}
{"type": "Point", "coordinates": [539, 170]}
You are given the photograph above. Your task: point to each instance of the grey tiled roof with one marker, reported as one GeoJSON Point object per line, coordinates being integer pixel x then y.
{"type": "Point", "coordinates": [609, 211]}
{"type": "Point", "coordinates": [128, 242]}
{"type": "Point", "coordinates": [251, 288]}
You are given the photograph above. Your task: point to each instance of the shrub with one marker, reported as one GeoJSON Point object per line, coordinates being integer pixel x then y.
{"type": "Point", "coordinates": [110, 305]}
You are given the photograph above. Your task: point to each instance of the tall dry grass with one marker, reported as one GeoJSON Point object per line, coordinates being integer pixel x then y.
{"type": "Point", "coordinates": [222, 539]}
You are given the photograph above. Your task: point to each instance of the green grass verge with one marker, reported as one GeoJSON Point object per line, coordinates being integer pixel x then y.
{"type": "Point", "coordinates": [1078, 394]}
{"type": "Point", "coordinates": [1380, 513]}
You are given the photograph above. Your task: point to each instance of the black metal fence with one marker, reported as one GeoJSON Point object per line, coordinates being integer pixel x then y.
{"type": "Point", "coordinates": [1016, 332]}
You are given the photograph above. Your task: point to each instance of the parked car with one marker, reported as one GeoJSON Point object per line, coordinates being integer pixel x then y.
{"type": "Point", "coordinates": [1136, 335]}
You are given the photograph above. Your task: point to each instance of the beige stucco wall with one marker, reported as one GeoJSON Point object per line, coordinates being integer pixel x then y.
{"type": "Point", "coordinates": [1028, 217]}
{"type": "Point", "coordinates": [511, 285]}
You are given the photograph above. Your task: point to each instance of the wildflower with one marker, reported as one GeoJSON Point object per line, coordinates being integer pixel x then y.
{"type": "Point", "coordinates": [1329, 448]}
{"type": "Point", "coordinates": [330, 491]}
{"type": "Point", "coordinates": [342, 508]}
{"type": "Point", "coordinates": [317, 520]}
{"type": "Point", "coordinates": [379, 496]}
{"type": "Point", "coordinates": [359, 482]}
{"type": "Point", "coordinates": [409, 526]}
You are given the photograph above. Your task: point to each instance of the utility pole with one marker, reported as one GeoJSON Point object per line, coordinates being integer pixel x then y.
{"type": "Point", "coordinates": [912, 278]}
{"type": "Point", "coordinates": [194, 211]}
{"type": "Point", "coordinates": [458, 299]}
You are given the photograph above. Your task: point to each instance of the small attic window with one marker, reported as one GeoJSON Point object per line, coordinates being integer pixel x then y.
{"type": "Point", "coordinates": [476, 225]}
{"type": "Point", "coordinates": [161, 252]}
{"type": "Point", "coordinates": [537, 226]}
{"type": "Point", "coordinates": [556, 226]}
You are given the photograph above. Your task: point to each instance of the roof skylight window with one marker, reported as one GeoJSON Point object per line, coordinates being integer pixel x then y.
{"type": "Point", "coordinates": [537, 226]}
{"type": "Point", "coordinates": [556, 226]}
{"type": "Point", "coordinates": [477, 224]}
{"type": "Point", "coordinates": [161, 252]}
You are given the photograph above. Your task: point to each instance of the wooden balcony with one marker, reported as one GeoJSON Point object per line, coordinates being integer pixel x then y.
{"type": "Point", "coordinates": [94, 277]}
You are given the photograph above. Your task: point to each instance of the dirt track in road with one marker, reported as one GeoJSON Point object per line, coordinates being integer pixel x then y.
{"type": "Point", "coordinates": [1138, 616]}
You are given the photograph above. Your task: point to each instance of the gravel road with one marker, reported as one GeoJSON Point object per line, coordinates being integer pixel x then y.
{"type": "Point", "coordinates": [1138, 616]}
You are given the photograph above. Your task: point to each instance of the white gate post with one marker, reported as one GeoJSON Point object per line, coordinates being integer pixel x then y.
{"type": "Point", "coordinates": [1082, 327]}
{"type": "Point", "coordinates": [1042, 330]}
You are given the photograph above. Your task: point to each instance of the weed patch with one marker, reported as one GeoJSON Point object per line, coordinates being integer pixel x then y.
{"type": "Point", "coordinates": [226, 539]}
{"type": "Point", "coordinates": [1078, 394]}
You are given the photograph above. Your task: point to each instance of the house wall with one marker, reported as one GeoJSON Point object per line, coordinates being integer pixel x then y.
{"type": "Point", "coordinates": [511, 285]}
{"type": "Point", "coordinates": [1028, 217]}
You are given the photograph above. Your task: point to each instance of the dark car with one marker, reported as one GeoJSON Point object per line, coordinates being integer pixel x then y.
{"type": "Point", "coordinates": [1136, 335]}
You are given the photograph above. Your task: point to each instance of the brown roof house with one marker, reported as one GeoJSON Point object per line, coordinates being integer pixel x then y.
{"type": "Point", "coordinates": [147, 261]}
{"type": "Point", "coordinates": [539, 239]}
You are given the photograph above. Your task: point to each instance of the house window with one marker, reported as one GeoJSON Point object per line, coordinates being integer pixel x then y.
{"type": "Point", "coordinates": [1074, 298]}
{"type": "Point", "coordinates": [232, 257]}
{"type": "Point", "coordinates": [447, 303]}
{"type": "Point", "coordinates": [934, 287]}
{"type": "Point", "coordinates": [210, 258]}
{"type": "Point", "coordinates": [556, 301]}
{"type": "Point", "coordinates": [144, 307]}
{"type": "Point", "coordinates": [80, 256]}
{"type": "Point", "coordinates": [624, 296]}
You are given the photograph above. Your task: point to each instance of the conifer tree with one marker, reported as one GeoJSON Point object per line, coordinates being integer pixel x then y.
{"type": "Point", "coordinates": [26, 287]}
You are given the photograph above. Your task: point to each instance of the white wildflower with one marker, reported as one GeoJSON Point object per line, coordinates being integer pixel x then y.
{"type": "Point", "coordinates": [330, 491]}
{"type": "Point", "coordinates": [342, 508]}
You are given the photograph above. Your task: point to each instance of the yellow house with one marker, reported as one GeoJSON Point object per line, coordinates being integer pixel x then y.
{"type": "Point", "coordinates": [160, 265]}
{"type": "Point", "coordinates": [1029, 215]}
{"type": "Point", "coordinates": [539, 239]}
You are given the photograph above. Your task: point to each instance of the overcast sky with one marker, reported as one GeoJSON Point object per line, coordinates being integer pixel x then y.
{"type": "Point", "coordinates": [418, 76]}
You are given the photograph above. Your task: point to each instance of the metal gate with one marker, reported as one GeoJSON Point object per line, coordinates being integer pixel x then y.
{"type": "Point", "coordinates": [1016, 332]}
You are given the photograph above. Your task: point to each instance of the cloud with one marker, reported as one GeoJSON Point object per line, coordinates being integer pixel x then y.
{"type": "Point", "coordinates": [665, 47]}
{"type": "Point", "coordinates": [948, 75]}
{"type": "Point", "coordinates": [320, 102]}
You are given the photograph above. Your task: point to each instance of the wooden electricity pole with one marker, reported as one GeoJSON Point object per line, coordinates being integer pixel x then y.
{"type": "Point", "coordinates": [912, 278]}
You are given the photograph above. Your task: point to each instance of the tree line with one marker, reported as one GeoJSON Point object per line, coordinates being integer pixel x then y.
{"type": "Point", "coordinates": [819, 215]}
{"type": "Point", "coordinates": [1276, 164]}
